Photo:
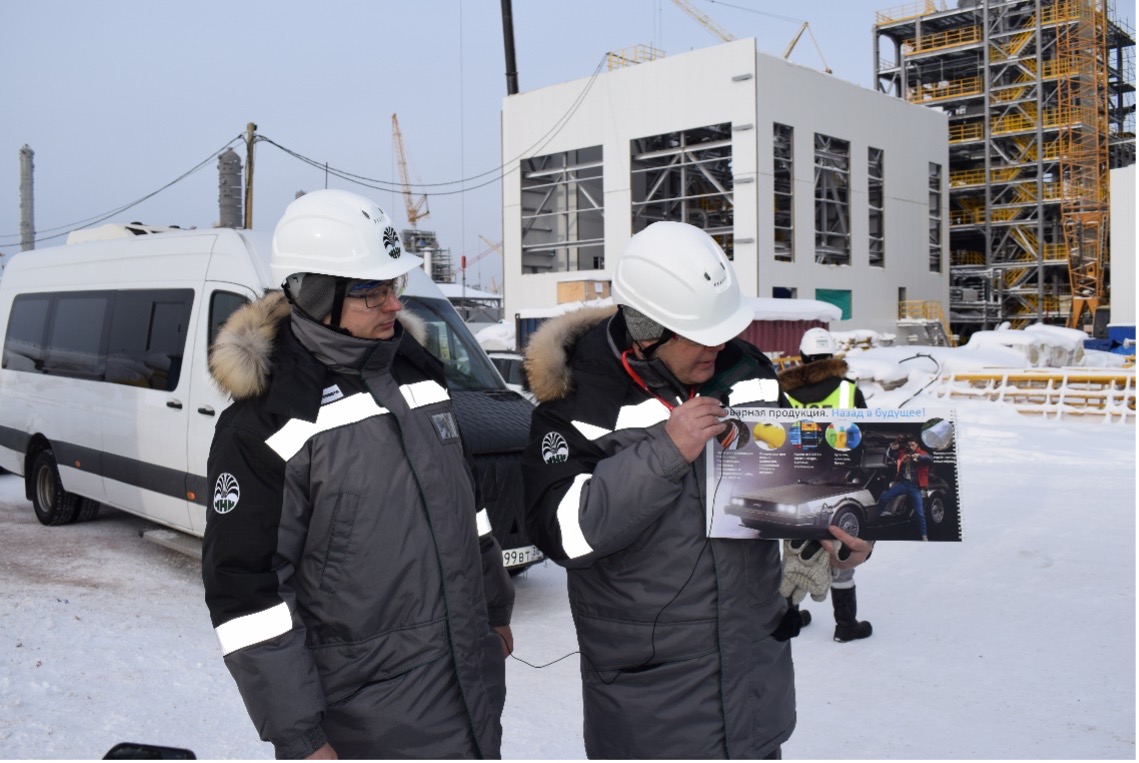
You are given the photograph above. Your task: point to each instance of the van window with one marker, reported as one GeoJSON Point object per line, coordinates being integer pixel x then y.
{"type": "Point", "coordinates": [148, 337]}
{"type": "Point", "coordinates": [75, 339]}
{"type": "Point", "coordinates": [222, 305]}
{"type": "Point", "coordinates": [24, 344]}
{"type": "Point", "coordinates": [132, 337]}
{"type": "Point", "coordinates": [448, 338]}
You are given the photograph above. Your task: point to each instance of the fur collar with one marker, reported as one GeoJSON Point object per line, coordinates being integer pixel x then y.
{"type": "Point", "coordinates": [797, 377]}
{"type": "Point", "coordinates": [241, 359]}
{"type": "Point", "coordinates": [547, 363]}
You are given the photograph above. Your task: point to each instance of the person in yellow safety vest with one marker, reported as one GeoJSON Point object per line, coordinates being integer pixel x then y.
{"type": "Point", "coordinates": [820, 382]}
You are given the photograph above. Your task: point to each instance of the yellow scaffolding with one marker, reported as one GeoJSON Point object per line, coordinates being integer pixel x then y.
{"type": "Point", "coordinates": [909, 11]}
{"type": "Point", "coordinates": [637, 54]}
{"type": "Point", "coordinates": [1083, 95]}
{"type": "Point", "coordinates": [950, 38]}
{"type": "Point", "coordinates": [926, 310]}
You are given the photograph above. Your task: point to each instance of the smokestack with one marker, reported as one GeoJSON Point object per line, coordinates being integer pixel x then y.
{"type": "Point", "coordinates": [229, 190]}
{"type": "Point", "coordinates": [27, 200]}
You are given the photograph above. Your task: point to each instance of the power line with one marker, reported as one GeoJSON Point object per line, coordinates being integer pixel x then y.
{"type": "Point", "coordinates": [753, 10]}
{"type": "Point", "coordinates": [496, 174]}
{"type": "Point", "coordinates": [67, 228]}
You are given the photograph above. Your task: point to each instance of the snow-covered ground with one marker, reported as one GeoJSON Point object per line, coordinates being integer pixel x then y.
{"type": "Point", "coordinates": [1017, 643]}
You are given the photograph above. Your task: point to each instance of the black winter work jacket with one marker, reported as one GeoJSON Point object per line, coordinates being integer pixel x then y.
{"type": "Point", "coordinates": [812, 383]}
{"type": "Point", "coordinates": [341, 547]}
{"type": "Point", "coordinates": [675, 629]}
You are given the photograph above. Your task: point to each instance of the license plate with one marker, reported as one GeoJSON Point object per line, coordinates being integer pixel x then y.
{"type": "Point", "coordinates": [513, 557]}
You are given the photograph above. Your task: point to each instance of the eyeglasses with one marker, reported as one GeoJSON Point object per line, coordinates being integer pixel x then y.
{"type": "Point", "coordinates": [376, 293]}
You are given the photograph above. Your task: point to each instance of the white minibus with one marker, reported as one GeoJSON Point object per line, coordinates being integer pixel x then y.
{"type": "Point", "coordinates": [105, 392]}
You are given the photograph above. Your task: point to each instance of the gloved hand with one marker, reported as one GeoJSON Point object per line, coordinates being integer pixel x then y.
{"type": "Point", "coordinates": [806, 569]}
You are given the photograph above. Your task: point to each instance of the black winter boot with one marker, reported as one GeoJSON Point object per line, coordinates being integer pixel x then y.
{"type": "Point", "coordinates": [847, 626]}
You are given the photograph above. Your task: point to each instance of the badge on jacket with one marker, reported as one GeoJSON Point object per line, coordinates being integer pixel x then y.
{"type": "Point", "coordinates": [226, 493]}
{"type": "Point", "coordinates": [445, 426]}
{"type": "Point", "coordinates": [555, 449]}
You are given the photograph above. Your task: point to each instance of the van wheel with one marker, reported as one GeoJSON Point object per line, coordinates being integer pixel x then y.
{"type": "Point", "coordinates": [53, 505]}
{"type": "Point", "coordinates": [88, 510]}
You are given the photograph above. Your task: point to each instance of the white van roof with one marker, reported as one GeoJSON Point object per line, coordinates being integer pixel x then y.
{"type": "Point", "coordinates": [117, 230]}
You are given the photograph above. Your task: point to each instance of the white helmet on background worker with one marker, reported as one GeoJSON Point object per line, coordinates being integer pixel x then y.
{"type": "Point", "coordinates": [817, 341]}
{"type": "Point", "coordinates": [676, 275]}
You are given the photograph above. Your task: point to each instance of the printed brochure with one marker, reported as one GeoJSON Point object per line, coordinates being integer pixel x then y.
{"type": "Point", "coordinates": [792, 472]}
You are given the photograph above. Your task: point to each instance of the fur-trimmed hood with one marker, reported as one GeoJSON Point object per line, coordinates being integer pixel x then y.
{"type": "Point", "coordinates": [546, 363]}
{"type": "Point", "coordinates": [797, 377]}
{"type": "Point", "coordinates": [241, 359]}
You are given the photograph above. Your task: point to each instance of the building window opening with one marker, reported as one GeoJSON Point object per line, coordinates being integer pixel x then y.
{"type": "Point", "coordinates": [685, 176]}
{"type": "Point", "coordinates": [935, 193]}
{"type": "Point", "coordinates": [876, 202]}
{"type": "Point", "coordinates": [832, 200]}
{"type": "Point", "coordinates": [783, 173]}
{"type": "Point", "coordinates": [563, 212]}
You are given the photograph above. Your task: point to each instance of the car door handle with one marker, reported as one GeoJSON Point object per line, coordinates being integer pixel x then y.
{"type": "Point", "coordinates": [206, 410]}
{"type": "Point", "coordinates": [177, 405]}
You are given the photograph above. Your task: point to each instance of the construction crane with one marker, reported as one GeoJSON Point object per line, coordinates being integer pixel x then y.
{"type": "Point", "coordinates": [704, 20]}
{"type": "Point", "coordinates": [794, 41]}
{"type": "Point", "coordinates": [491, 249]}
{"type": "Point", "coordinates": [416, 208]}
{"type": "Point", "coordinates": [726, 36]}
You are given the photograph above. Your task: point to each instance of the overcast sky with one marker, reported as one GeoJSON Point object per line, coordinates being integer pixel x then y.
{"type": "Point", "coordinates": [118, 98]}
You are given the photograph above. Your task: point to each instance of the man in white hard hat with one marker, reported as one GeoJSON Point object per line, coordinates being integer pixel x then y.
{"type": "Point", "coordinates": [358, 595]}
{"type": "Point", "coordinates": [821, 382]}
{"type": "Point", "coordinates": [683, 638]}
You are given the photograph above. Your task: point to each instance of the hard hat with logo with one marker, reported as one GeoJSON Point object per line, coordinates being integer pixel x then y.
{"type": "Point", "coordinates": [677, 275]}
{"type": "Point", "coordinates": [817, 341]}
{"type": "Point", "coordinates": [338, 233]}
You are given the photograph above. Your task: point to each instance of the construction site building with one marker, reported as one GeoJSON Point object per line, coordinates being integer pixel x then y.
{"type": "Point", "coordinates": [436, 261]}
{"type": "Point", "coordinates": [816, 188]}
{"type": "Point", "coordinates": [1041, 103]}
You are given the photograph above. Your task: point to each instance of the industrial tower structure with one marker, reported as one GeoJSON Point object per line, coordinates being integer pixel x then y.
{"type": "Point", "coordinates": [1041, 101]}
{"type": "Point", "coordinates": [422, 243]}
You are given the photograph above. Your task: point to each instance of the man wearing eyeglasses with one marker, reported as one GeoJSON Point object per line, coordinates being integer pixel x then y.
{"type": "Point", "coordinates": [683, 638]}
{"type": "Point", "coordinates": [354, 584]}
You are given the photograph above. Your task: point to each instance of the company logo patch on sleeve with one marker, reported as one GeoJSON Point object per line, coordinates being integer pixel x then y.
{"type": "Point", "coordinates": [330, 395]}
{"type": "Point", "coordinates": [226, 493]}
{"type": "Point", "coordinates": [445, 426]}
{"type": "Point", "coordinates": [555, 449]}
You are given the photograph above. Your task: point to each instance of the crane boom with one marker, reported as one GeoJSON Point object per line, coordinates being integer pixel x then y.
{"type": "Point", "coordinates": [794, 40]}
{"type": "Point", "coordinates": [704, 20]}
{"type": "Point", "coordinates": [416, 208]}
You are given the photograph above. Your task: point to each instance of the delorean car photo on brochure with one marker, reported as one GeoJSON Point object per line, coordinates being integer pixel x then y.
{"type": "Point", "coordinates": [846, 496]}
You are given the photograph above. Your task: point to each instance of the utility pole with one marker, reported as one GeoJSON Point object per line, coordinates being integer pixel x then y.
{"type": "Point", "coordinates": [250, 129]}
{"type": "Point", "coordinates": [27, 200]}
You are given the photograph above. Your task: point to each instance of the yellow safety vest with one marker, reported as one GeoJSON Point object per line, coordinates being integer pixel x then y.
{"type": "Point", "coordinates": [841, 397]}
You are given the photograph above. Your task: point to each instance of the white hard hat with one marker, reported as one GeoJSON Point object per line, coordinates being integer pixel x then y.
{"type": "Point", "coordinates": [817, 341]}
{"type": "Point", "coordinates": [677, 275]}
{"type": "Point", "coordinates": [338, 233]}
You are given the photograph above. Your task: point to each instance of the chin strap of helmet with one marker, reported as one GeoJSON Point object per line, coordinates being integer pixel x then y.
{"type": "Point", "coordinates": [338, 302]}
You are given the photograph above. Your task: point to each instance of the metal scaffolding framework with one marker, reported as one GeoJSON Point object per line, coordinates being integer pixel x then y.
{"type": "Point", "coordinates": [1040, 98]}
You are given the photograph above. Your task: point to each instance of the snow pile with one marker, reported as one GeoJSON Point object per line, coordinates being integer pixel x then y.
{"type": "Point", "coordinates": [1042, 346]}
{"type": "Point", "coordinates": [496, 337]}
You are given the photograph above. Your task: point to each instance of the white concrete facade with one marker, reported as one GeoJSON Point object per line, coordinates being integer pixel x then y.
{"type": "Point", "coordinates": [734, 83]}
{"type": "Point", "coordinates": [1122, 294]}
